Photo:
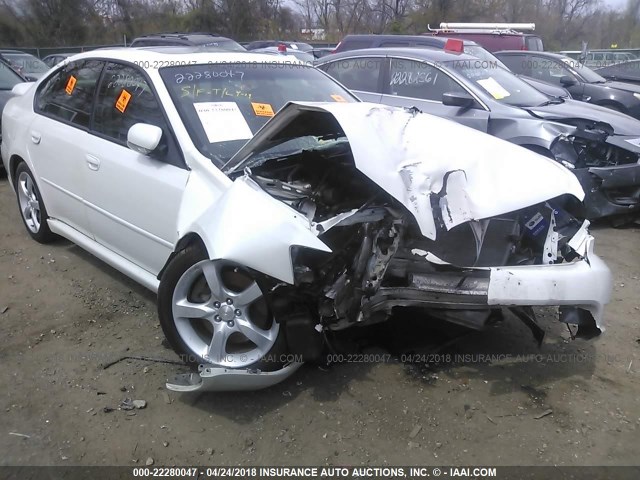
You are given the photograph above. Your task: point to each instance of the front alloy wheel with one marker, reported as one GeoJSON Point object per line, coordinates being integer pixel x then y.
{"type": "Point", "coordinates": [218, 314]}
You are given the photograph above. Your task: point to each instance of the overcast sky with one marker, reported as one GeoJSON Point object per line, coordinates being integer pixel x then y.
{"type": "Point", "coordinates": [616, 3]}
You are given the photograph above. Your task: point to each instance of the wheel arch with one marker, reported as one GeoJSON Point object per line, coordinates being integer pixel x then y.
{"type": "Point", "coordinates": [190, 239]}
{"type": "Point", "coordinates": [14, 161]}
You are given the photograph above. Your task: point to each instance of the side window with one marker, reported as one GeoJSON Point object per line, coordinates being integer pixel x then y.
{"type": "Point", "coordinates": [408, 78]}
{"type": "Point", "coordinates": [517, 64]}
{"type": "Point", "coordinates": [357, 73]}
{"type": "Point", "coordinates": [69, 94]}
{"type": "Point", "coordinates": [124, 99]}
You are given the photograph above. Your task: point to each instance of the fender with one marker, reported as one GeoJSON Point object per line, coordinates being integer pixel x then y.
{"type": "Point", "coordinates": [246, 225]}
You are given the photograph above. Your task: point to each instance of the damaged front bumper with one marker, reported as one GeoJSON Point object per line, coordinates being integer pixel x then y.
{"type": "Point", "coordinates": [580, 288]}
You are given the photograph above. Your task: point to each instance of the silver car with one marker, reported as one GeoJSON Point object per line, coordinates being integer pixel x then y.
{"type": "Point", "coordinates": [599, 145]}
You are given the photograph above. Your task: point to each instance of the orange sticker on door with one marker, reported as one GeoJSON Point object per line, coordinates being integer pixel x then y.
{"type": "Point", "coordinates": [338, 98]}
{"type": "Point", "coordinates": [123, 101]}
{"type": "Point", "coordinates": [71, 84]}
{"type": "Point", "coordinates": [262, 109]}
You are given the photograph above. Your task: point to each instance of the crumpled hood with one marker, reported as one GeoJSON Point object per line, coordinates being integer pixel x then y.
{"type": "Point", "coordinates": [572, 109]}
{"type": "Point", "coordinates": [413, 156]}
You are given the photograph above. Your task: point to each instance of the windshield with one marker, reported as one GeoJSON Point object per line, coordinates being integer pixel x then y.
{"type": "Point", "coordinates": [581, 70]}
{"type": "Point", "coordinates": [224, 105]}
{"type": "Point", "coordinates": [500, 84]}
{"type": "Point", "coordinates": [26, 63]}
{"type": "Point", "coordinates": [484, 55]}
{"type": "Point", "coordinates": [8, 78]}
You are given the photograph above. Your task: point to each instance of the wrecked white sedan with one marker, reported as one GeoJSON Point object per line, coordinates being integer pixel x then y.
{"type": "Point", "coordinates": [333, 214]}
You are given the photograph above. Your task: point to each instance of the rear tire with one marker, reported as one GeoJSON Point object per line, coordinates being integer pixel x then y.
{"type": "Point", "coordinates": [32, 209]}
{"type": "Point", "coordinates": [215, 313]}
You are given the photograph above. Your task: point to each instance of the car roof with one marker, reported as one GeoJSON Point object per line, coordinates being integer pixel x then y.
{"type": "Point", "coordinates": [441, 40]}
{"type": "Point", "coordinates": [430, 54]}
{"type": "Point", "coordinates": [557, 56]}
{"type": "Point", "coordinates": [151, 58]}
{"type": "Point", "coordinates": [14, 51]}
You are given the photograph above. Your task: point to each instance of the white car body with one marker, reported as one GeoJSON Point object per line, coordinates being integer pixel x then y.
{"type": "Point", "coordinates": [135, 212]}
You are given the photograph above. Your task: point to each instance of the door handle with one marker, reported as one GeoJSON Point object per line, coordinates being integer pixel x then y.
{"type": "Point", "coordinates": [36, 137]}
{"type": "Point", "coordinates": [93, 162]}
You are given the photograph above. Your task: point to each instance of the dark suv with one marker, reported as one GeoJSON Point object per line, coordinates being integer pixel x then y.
{"type": "Point", "coordinates": [199, 39]}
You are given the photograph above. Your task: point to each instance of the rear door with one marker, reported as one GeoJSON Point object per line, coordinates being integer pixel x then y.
{"type": "Point", "coordinates": [132, 199]}
{"type": "Point", "coordinates": [410, 83]}
{"type": "Point", "coordinates": [63, 105]}
{"type": "Point", "coordinates": [361, 75]}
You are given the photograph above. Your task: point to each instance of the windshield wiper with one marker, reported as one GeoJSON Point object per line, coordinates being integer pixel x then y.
{"type": "Point", "coordinates": [554, 101]}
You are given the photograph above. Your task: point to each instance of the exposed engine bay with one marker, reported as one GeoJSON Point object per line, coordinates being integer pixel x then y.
{"type": "Point", "coordinates": [380, 260]}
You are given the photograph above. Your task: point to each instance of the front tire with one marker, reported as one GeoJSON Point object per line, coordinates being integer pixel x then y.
{"type": "Point", "coordinates": [32, 209]}
{"type": "Point", "coordinates": [215, 313]}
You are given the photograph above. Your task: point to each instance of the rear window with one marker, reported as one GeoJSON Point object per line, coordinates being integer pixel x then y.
{"type": "Point", "coordinates": [533, 43]}
{"type": "Point", "coordinates": [224, 105]}
{"type": "Point", "coordinates": [8, 78]}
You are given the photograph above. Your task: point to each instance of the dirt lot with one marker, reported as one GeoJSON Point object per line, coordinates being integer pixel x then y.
{"type": "Point", "coordinates": [64, 315]}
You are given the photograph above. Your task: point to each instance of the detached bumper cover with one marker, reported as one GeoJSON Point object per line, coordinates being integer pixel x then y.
{"type": "Point", "coordinates": [218, 379]}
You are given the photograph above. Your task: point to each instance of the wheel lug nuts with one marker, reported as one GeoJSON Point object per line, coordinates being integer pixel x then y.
{"type": "Point", "coordinates": [238, 312]}
{"type": "Point", "coordinates": [229, 301]}
{"type": "Point", "coordinates": [217, 318]}
{"type": "Point", "coordinates": [216, 304]}
{"type": "Point", "coordinates": [230, 323]}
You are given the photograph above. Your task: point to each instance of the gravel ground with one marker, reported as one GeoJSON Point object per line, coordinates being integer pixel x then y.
{"type": "Point", "coordinates": [500, 400]}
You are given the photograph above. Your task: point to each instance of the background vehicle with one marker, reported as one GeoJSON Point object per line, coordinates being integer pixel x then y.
{"type": "Point", "coordinates": [306, 57]}
{"type": "Point", "coordinates": [293, 45]}
{"type": "Point", "coordinates": [56, 58]}
{"type": "Point", "coordinates": [9, 78]}
{"type": "Point", "coordinates": [354, 42]}
{"type": "Point", "coordinates": [30, 67]}
{"type": "Point", "coordinates": [322, 52]}
{"type": "Point", "coordinates": [265, 246]}
{"type": "Point", "coordinates": [628, 72]}
{"type": "Point", "coordinates": [493, 37]}
{"type": "Point", "coordinates": [594, 142]}
{"type": "Point", "coordinates": [199, 39]}
{"type": "Point", "coordinates": [583, 83]}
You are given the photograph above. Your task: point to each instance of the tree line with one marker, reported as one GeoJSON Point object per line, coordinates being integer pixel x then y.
{"type": "Point", "coordinates": [563, 24]}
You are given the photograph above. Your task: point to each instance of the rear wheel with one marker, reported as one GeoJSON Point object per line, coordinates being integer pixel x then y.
{"type": "Point", "coordinates": [215, 312]}
{"type": "Point", "coordinates": [32, 209]}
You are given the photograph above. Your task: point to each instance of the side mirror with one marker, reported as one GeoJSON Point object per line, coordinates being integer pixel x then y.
{"type": "Point", "coordinates": [458, 99]}
{"type": "Point", "coordinates": [567, 81]}
{"type": "Point", "coordinates": [20, 89]}
{"type": "Point", "coordinates": [144, 138]}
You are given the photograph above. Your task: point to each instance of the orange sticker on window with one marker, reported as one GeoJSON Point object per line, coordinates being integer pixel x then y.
{"type": "Point", "coordinates": [123, 101]}
{"type": "Point", "coordinates": [262, 109]}
{"type": "Point", "coordinates": [71, 84]}
{"type": "Point", "coordinates": [338, 98]}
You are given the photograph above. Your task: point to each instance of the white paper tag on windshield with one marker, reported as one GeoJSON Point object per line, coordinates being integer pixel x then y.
{"type": "Point", "coordinates": [222, 121]}
{"type": "Point", "coordinates": [634, 141]}
{"type": "Point", "coordinates": [496, 90]}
